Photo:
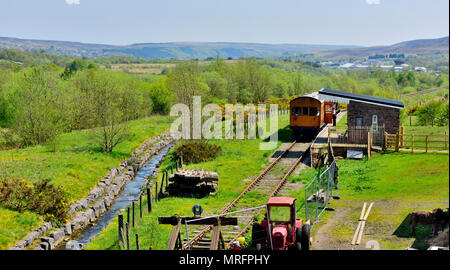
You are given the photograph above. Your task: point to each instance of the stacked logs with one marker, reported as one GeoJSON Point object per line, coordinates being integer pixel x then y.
{"type": "Point", "coordinates": [192, 183]}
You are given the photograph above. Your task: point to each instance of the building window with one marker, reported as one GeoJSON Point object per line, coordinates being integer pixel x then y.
{"type": "Point", "coordinates": [374, 122]}
{"type": "Point", "coordinates": [359, 122]}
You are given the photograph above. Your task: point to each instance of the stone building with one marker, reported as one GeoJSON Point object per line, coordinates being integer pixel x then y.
{"type": "Point", "coordinates": [367, 113]}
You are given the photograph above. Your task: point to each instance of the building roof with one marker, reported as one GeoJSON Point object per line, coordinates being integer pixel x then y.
{"type": "Point", "coordinates": [346, 97]}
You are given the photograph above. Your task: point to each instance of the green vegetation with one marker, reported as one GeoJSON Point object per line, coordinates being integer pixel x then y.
{"type": "Point", "coordinates": [397, 184]}
{"type": "Point", "coordinates": [71, 120]}
{"type": "Point", "coordinates": [195, 151]}
{"type": "Point", "coordinates": [41, 197]}
{"type": "Point", "coordinates": [67, 168]}
{"type": "Point", "coordinates": [238, 160]}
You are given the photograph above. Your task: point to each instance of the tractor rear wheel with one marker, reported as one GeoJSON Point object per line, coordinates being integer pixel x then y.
{"type": "Point", "coordinates": [305, 236]}
{"type": "Point", "coordinates": [259, 235]}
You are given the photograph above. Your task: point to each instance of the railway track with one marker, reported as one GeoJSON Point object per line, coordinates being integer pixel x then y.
{"type": "Point", "coordinates": [267, 184]}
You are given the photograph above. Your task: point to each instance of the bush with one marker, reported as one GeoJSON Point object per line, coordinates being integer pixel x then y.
{"type": "Point", "coordinates": [49, 200]}
{"type": "Point", "coordinates": [195, 151]}
{"type": "Point", "coordinates": [15, 193]}
{"type": "Point", "coordinates": [41, 197]}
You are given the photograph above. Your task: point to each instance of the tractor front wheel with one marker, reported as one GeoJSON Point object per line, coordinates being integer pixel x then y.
{"type": "Point", "coordinates": [305, 236]}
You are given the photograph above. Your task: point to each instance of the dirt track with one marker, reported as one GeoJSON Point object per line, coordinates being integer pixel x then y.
{"type": "Point", "coordinates": [388, 224]}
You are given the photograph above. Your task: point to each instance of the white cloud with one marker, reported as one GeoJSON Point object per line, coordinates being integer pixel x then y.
{"type": "Point", "coordinates": [73, 2]}
{"type": "Point", "coordinates": [373, 2]}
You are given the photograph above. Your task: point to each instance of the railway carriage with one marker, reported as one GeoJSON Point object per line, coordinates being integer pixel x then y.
{"type": "Point", "coordinates": [308, 115]}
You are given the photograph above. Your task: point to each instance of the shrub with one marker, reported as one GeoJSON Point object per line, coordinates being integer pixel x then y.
{"type": "Point", "coordinates": [195, 151]}
{"type": "Point", "coordinates": [15, 193]}
{"type": "Point", "coordinates": [49, 200]}
{"type": "Point", "coordinates": [41, 197]}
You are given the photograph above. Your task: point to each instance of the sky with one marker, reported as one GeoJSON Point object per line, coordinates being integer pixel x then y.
{"type": "Point", "coordinates": [122, 22]}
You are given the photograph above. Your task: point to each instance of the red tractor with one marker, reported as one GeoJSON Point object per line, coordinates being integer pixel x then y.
{"type": "Point", "coordinates": [280, 229]}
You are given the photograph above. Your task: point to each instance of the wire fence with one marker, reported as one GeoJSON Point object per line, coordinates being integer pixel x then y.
{"type": "Point", "coordinates": [319, 192]}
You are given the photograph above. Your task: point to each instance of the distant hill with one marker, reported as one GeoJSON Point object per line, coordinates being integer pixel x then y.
{"type": "Point", "coordinates": [179, 50]}
{"type": "Point", "coordinates": [416, 47]}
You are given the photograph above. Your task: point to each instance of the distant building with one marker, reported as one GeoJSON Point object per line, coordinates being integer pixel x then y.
{"type": "Point", "coordinates": [398, 68]}
{"type": "Point", "coordinates": [347, 66]}
{"type": "Point", "coordinates": [420, 69]}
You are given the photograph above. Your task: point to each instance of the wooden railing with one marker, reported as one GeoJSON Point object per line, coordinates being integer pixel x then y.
{"type": "Point", "coordinates": [417, 142]}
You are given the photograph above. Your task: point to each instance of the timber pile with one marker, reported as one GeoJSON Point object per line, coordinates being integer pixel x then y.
{"type": "Point", "coordinates": [192, 183]}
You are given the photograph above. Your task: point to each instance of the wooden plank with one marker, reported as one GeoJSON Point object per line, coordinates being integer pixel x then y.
{"type": "Point", "coordinates": [174, 235]}
{"type": "Point", "coordinates": [224, 221]}
{"type": "Point", "coordinates": [359, 224]}
{"type": "Point", "coordinates": [361, 231]}
{"type": "Point", "coordinates": [215, 236]}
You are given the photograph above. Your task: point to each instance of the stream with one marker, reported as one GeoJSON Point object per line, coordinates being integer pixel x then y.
{"type": "Point", "coordinates": [130, 193]}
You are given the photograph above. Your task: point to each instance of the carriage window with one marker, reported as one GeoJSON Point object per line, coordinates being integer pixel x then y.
{"type": "Point", "coordinates": [295, 111]}
{"type": "Point", "coordinates": [359, 123]}
{"type": "Point", "coordinates": [304, 110]}
{"type": "Point", "coordinates": [313, 111]}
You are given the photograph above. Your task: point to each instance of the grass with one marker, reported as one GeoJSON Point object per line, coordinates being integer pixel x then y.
{"type": "Point", "coordinates": [76, 166]}
{"type": "Point", "coordinates": [239, 160]}
{"type": "Point", "coordinates": [397, 183]}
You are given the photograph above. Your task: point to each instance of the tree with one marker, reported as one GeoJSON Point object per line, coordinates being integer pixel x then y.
{"type": "Point", "coordinates": [443, 116]}
{"type": "Point", "coordinates": [106, 96]}
{"type": "Point", "coordinates": [185, 82]}
{"type": "Point", "coordinates": [161, 97]}
{"type": "Point", "coordinates": [38, 103]}
{"type": "Point", "coordinates": [429, 112]}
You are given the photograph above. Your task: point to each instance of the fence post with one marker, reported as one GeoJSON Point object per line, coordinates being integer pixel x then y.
{"type": "Point", "coordinates": [137, 242]}
{"type": "Point", "coordinates": [128, 215]}
{"type": "Point", "coordinates": [156, 191]}
{"type": "Point", "coordinates": [132, 203]}
{"type": "Point", "coordinates": [121, 240]}
{"type": "Point", "coordinates": [426, 143]}
{"type": "Point", "coordinates": [162, 185]}
{"type": "Point", "coordinates": [402, 129]}
{"type": "Point", "coordinates": [397, 141]}
{"type": "Point", "coordinates": [140, 206]}
{"type": "Point", "coordinates": [149, 200]}
{"type": "Point", "coordinates": [368, 145]}
{"type": "Point", "coordinates": [385, 141]}
{"type": "Point", "coordinates": [128, 236]}
{"type": "Point", "coordinates": [167, 179]}
{"type": "Point", "coordinates": [445, 140]}
{"type": "Point", "coordinates": [412, 143]}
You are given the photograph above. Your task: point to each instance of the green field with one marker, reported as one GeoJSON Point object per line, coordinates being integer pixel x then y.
{"type": "Point", "coordinates": [239, 160]}
{"type": "Point", "coordinates": [76, 166]}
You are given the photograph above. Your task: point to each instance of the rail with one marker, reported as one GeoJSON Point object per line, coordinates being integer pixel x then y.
{"type": "Point", "coordinates": [202, 233]}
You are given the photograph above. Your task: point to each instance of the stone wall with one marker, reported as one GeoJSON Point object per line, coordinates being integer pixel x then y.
{"type": "Point", "coordinates": [387, 117]}
{"type": "Point", "coordinates": [87, 210]}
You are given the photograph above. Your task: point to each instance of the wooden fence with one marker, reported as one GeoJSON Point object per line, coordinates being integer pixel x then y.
{"type": "Point", "coordinates": [417, 142]}
{"type": "Point", "coordinates": [358, 136]}
{"type": "Point", "coordinates": [124, 229]}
